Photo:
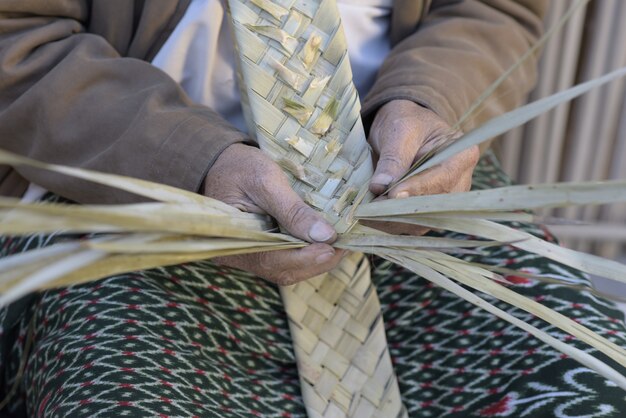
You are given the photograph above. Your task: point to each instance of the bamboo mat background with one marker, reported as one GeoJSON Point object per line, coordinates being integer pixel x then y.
{"type": "Point", "coordinates": [584, 140]}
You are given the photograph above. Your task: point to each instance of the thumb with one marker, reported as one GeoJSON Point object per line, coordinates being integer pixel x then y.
{"type": "Point", "coordinates": [306, 223]}
{"type": "Point", "coordinates": [302, 221]}
{"type": "Point", "coordinates": [394, 161]}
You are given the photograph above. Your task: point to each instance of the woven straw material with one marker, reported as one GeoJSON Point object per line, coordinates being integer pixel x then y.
{"type": "Point", "coordinates": [296, 79]}
{"type": "Point", "coordinates": [302, 107]}
{"type": "Point", "coordinates": [340, 344]}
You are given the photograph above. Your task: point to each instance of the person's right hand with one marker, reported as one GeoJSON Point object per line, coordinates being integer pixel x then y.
{"type": "Point", "coordinates": [245, 178]}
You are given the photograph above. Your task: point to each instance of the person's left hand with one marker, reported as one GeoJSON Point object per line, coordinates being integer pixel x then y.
{"type": "Point", "coordinates": [401, 133]}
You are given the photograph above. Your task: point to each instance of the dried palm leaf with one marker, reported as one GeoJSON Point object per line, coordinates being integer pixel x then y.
{"type": "Point", "coordinates": [185, 226]}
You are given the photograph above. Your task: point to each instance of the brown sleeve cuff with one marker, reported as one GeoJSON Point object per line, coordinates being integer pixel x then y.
{"type": "Point", "coordinates": [186, 156]}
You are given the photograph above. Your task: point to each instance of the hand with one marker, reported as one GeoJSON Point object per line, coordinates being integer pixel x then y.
{"type": "Point", "coordinates": [245, 178]}
{"type": "Point", "coordinates": [401, 133]}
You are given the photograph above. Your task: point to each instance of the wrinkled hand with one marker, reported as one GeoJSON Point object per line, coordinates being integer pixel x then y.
{"type": "Point", "coordinates": [245, 178]}
{"type": "Point", "coordinates": [401, 133]}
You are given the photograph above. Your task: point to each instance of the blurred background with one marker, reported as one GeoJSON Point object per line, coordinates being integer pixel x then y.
{"type": "Point", "coordinates": [585, 139]}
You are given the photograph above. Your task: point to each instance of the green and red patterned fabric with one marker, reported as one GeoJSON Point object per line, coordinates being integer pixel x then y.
{"type": "Point", "coordinates": [197, 340]}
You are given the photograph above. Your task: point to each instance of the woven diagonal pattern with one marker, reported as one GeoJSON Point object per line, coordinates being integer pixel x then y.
{"type": "Point", "coordinates": [298, 80]}
{"type": "Point", "coordinates": [340, 344]}
{"type": "Point", "coordinates": [302, 106]}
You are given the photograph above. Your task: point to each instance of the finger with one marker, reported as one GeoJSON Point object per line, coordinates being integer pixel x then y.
{"type": "Point", "coordinates": [288, 266]}
{"type": "Point", "coordinates": [454, 175]}
{"type": "Point", "coordinates": [397, 152]}
{"type": "Point", "coordinates": [274, 194]}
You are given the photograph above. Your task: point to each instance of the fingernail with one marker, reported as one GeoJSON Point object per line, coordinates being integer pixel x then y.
{"type": "Point", "coordinates": [321, 232]}
{"type": "Point", "coordinates": [402, 195]}
{"type": "Point", "coordinates": [384, 179]}
{"type": "Point", "coordinates": [324, 258]}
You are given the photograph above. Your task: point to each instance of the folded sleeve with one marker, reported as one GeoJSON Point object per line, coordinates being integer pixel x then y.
{"type": "Point", "coordinates": [68, 97]}
{"type": "Point", "coordinates": [458, 50]}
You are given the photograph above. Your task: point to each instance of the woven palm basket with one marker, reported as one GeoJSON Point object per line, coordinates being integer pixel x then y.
{"type": "Point", "coordinates": [303, 109]}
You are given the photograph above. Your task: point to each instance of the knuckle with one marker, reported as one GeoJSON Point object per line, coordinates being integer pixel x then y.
{"type": "Point", "coordinates": [401, 124]}
{"type": "Point", "coordinates": [262, 172]}
{"type": "Point", "coordinates": [261, 182]}
{"type": "Point", "coordinates": [448, 180]}
{"type": "Point", "coordinates": [391, 162]}
{"type": "Point", "coordinates": [298, 213]}
{"type": "Point", "coordinates": [266, 188]}
{"type": "Point", "coordinates": [473, 155]}
{"type": "Point", "coordinates": [397, 129]}
{"type": "Point", "coordinates": [437, 184]}
{"type": "Point", "coordinates": [442, 128]}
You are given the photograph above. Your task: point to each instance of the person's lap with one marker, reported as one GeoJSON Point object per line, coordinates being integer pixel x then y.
{"type": "Point", "coordinates": [198, 340]}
